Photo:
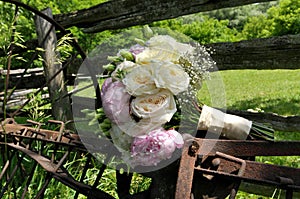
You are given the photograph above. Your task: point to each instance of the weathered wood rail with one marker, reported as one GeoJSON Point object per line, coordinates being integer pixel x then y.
{"type": "Point", "coordinates": [125, 13]}
{"type": "Point", "coordinates": [269, 53]}
{"type": "Point", "coordinates": [280, 52]}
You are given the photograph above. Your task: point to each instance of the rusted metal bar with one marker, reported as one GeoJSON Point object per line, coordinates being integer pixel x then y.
{"type": "Point", "coordinates": [224, 157]}
{"type": "Point", "coordinates": [83, 173]}
{"type": "Point", "coordinates": [10, 178]}
{"type": "Point", "coordinates": [216, 158]}
{"type": "Point", "coordinates": [256, 172]}
{"type": "Point", "coordinates": [60, 174]}
{"type": "Point", "coordinates": [56, 170]}
{"type": "Point", "coordinates": [123, 183]}
{"type": "Point", "coordinates": [41, 192]}
{"type": "Point", "coordinates": [186, 172]}
{"type": "Point", "coordinates": [61, 129]}
{"type": "Point", "coordinates": [4, 169]}
{"type": "Point", "coordinates": [248, 147]}
{"type": "Point", "coordinates": [10, 128]}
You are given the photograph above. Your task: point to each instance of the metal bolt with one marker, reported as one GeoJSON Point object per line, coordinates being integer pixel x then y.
{"type": "Point", "coordinates": [216, 162]}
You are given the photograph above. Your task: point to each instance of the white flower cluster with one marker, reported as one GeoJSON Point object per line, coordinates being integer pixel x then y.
{"type": "Point", "coordinates": [139, 98]}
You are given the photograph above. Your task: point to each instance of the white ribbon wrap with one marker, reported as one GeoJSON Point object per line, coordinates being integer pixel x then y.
{"type": "Point", "coordinates": [230, 126]}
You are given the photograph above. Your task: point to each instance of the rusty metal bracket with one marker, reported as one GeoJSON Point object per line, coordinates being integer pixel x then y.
{"type": "Point", "coordinates": [241, 171]}
{"type": "Point", "coordinates": [18, 132]}
{"type": "Point", "coordinates": [218, 158]}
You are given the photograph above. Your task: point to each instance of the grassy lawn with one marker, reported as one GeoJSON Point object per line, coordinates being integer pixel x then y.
{"type": "Point", "coordinates": [275, 91]}
{"type": "Point", "coordinates": [270, 91]}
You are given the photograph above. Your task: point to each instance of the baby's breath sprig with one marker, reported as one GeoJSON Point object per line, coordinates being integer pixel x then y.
{"type": "Point", "coordinates": [197, 64]}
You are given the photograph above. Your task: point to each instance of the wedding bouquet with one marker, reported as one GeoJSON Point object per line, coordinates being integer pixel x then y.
{"type": "Point", "coordinates": [146, 89]}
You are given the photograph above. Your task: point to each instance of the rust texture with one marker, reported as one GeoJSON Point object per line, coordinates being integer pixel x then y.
{"type": "Point", "coordinates": [229, 160]}
{"type": "Point", "coordinates": [185, 174]}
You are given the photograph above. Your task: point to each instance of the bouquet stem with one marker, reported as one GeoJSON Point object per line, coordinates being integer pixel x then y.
{"type": "Point", "coordinates": [232, 126]}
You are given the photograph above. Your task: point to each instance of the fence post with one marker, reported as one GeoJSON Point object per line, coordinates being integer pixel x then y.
{"type": "Point", "coordinates": [61, 106]}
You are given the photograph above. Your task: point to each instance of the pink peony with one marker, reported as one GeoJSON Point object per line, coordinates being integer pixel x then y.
{"type": "Point", "coordinates": [115, 101]}
{"type": "Point", "coordinates": [158, 145]}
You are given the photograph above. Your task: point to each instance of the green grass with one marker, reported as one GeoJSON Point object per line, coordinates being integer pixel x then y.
{"type": "Point", "coordinates": [276, 91]}
{"type": "Point", "coordinates": [271, 91]}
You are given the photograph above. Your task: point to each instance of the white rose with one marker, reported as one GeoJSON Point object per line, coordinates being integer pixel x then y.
{"type": "Point", "coordinates": [172, 77]}
{"type": "Point", "coordinates": [125, 66]}
{"type": "Point", "coordinates": [159, 107]}
{"type": "Point", "coordinates": [163, 48]}
{"type": "Point", "coordinates": [140, 81]}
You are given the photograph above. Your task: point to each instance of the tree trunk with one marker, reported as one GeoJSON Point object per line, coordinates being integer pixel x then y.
{"type": "Point", "coordinates": [61, 107]}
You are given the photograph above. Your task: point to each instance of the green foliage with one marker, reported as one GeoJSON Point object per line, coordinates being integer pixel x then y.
{"type": "Point", "coordinates": [139, 183]}
{"type": "Point", "coordinates": [201, 28]}
{"type": "Point", "coordinates": [257, 27]}
{"type": "Point", "coordinates": [286, 17]}
{"type": "Point", "coordinates": [274, 93]}
{"type": "Point", "coordinates": [22, 28]}
{"type": "Point", "coordinates": [245, 22]}
{"type": "Point", "coordinates": [38, 107]}
{"type": "Point", "coordinates": [86, 41]}
{"type": "Point", "coordinates": [59, 6]}
{"type": "Point", "coordinates": [281, 19]}
{"type": "Point", "coordinates": [6, 19]}
{"type": "Point", "coordinates": [238, 16]}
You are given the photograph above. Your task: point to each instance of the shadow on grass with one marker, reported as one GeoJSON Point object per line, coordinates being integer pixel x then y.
{"type": "Point", "coordinates": [280, 106]}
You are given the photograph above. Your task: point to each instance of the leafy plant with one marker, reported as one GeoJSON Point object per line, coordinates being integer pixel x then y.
{"type": "Point", "coordinates": [38, 107]}
{"type": "Point", "coordinates": [281, 19]}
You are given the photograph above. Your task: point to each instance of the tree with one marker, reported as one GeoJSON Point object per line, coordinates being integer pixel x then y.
{"type": "Point", "coordinates": [201, 28]}
{"type": "Point", "coordinates": [238, 16]}
{"type": "Point", "coordinates": [286, 17]}
{"type": "Point", "coordinates": [279, 20]}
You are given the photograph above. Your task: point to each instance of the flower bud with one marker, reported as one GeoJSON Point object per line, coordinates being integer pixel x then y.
{"type": "Point", "coordinates": [148, 33]}
{"type": "Point", "coordinates": [127, 55]}
{"type": "Point", "coordinates": [109, 67]}
{"type": "Point", "coordinates": [114, 58]}
{"type": "Point", "coordinates": [140, 41]}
